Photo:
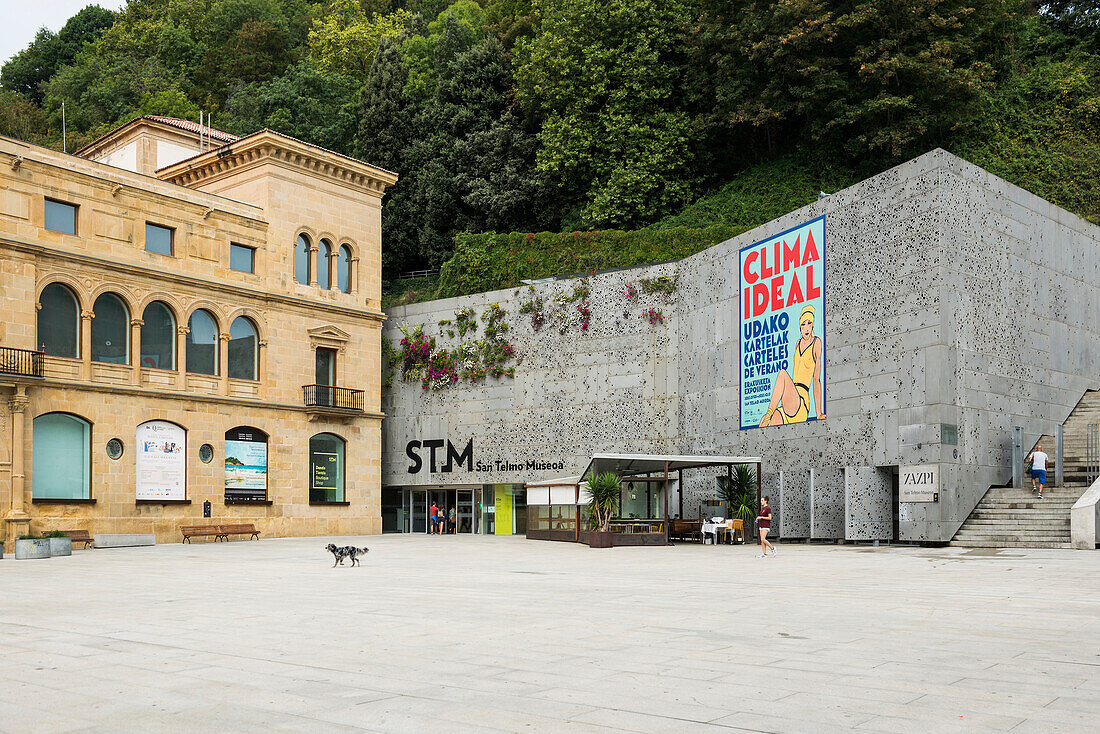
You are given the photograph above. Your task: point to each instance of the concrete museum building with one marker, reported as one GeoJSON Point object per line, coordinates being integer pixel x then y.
{"type": "Point", "coordinates": [189, 317]}
{"type": "Point", "coordinates": [886, 351]}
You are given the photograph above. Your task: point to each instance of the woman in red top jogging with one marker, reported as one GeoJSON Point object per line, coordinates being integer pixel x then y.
{"type": "Point", "coordinates": [764, 523]}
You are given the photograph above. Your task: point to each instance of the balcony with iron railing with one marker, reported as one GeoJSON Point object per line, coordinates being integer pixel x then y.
{"type": "Point", "coordinates": [20, 362]}
{"type": "Point", "coordinates": [330, 398]}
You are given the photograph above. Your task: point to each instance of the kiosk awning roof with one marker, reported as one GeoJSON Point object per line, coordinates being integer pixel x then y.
{"type": "Point", "coordinates": [559, 482]}
{"type": "Point", "coordinates": [623, 464]}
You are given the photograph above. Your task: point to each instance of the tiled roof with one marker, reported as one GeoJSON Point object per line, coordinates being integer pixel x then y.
{"type": "Point", "coordinates": [193, 127]}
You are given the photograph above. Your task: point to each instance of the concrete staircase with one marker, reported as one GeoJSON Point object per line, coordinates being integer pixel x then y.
{"type": "Point", "coordinates": [1016, 518]}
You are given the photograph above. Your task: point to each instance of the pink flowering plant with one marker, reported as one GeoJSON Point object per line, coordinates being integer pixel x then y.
{"type": "Point", "coordinates": [630, 291]}
{"type": "Point", "coordinates": [586, 315]}
{"type": "Point", "coordinates": [441, 371]}
{"type": "Point", "coordinates": [654, 316]}
{"type": "Point", "coordinates": [416, 352]}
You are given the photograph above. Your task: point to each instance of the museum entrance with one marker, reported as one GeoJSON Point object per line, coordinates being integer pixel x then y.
{"type": "Point", "coordinates": [494, 509]}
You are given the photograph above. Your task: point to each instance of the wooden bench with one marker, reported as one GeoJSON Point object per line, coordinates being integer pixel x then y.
{"type": "Point", "coordinates": [218, 532]}
{"type": "Point", "coordinates": [240, 529]}
{"type": "Point", "coordinates": [200, 531]}
{"type": "Point", "coordinates": [78, 536]}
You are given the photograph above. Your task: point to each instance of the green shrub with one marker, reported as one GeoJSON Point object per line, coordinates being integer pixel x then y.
{"type": "Point", "coordinates": [485, 262]}
{"type": "Point", "coordinates": [55, 534]}
{"type": "Point", "coordinates": [606, 492]}
{"type": "Point", "coordinates": [740, 496]}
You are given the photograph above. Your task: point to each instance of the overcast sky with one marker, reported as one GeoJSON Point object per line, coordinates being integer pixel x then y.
{"type": "Point", "coordinates": [23, 18]}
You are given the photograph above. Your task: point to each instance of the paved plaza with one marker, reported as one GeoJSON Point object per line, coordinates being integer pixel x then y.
{"type": "Point", "coordinates": [503, 634]}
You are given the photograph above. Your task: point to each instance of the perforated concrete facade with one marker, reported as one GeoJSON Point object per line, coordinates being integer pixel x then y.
{"type": "Point", "coordinates": [953, 299]}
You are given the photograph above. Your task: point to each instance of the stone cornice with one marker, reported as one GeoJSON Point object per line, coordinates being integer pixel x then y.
{"type": "Point", "coordinates": [267, 146]}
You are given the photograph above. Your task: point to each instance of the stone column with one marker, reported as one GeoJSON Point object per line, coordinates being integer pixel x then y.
{"type": "Point", "coordinates": [223, 361]}
{"type": "Point", "coordinates": [261, 366]}
{"type": "Point", "coordinates": [353, 274]}
{"type": "Point", "coordinates": [17, 519]}
{"type": "Point", "coordinates": [86, 343]}
{"type": "Point", "coordinates": [181, 356]}
{"type": "Point", "coordinates": [135, 349]}
{"type": "Point", "coordinates": [313, 248]}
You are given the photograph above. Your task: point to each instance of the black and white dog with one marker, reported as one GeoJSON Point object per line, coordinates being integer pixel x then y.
{"type": "Point", "coordinates": [346, 551]}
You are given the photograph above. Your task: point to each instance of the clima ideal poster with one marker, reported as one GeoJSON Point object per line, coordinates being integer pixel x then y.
{"type": "Point", "coordinates": [782, 327]}
{"type": "Point", "coordinates": [161, 462]}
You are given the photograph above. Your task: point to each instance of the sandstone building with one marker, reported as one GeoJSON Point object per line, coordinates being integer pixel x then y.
{"type": "Point", "coordinates": [189, 317]}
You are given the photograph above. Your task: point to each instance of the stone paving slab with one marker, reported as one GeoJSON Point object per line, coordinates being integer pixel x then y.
{"type": "Point", "coordinates": [479, 634]}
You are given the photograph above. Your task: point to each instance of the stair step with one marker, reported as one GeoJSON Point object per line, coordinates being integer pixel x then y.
{"type": "Point", "coordinates": [1008, 544]}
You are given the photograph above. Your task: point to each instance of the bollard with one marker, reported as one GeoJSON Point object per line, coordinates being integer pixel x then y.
{"type": "Point", "coordinates": [1017, 457]}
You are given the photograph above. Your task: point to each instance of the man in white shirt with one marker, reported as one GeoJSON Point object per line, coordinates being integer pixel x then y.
{"type": "Point", "coordinates": [1037, 460]}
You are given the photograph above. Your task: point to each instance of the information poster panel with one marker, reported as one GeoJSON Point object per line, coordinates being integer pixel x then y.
{"type": "Point", "coordinates": [161, 461]}
{"type": "Point", "coordinates": [782, 327]}
{"type": "Point", "coordinates": [919, 483]}
{"type": "Point", "coordinates": [245, 466]}
{"type": "Point", "coordinates": [325, 468]}
{"type": "Point", "coordinates": [502, 500]}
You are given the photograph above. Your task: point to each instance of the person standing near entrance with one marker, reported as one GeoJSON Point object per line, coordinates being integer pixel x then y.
{"type": "Point", "coordinates": [451, 526]}
{"type": "Point", "coordinates": [764, 524]}
{"type": "Point", "coordinates": [434, 514]}
{"type": "Point", "coordinates": [1037, 459]}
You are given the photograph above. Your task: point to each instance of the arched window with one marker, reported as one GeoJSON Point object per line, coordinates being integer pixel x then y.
{"type": "Point", "coordinates": [324, 272]}
{"type": "Point", "coordinates": [110, 330]}
{"type": "Point", "coordinates": [326, 468]}
{"type": "Point", "coordinates": [343, 269]}
{"type": "Point", "coordinates": [242, 349]}
{"type": "Point", "coordinates": [301, 260]}
{"type": "Point", "coordinates": [202, 344]}
{"type": "Point", "coordinates": [58, 322]}
{"type": "Point", "coordinates": [61, 446]}
{"type": "Point", "coordinates": [158, 337]}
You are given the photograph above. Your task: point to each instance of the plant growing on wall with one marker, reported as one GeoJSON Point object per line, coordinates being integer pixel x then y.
{"type": "Point", "coordinates": [416, 351]}
{"type": "Point", "coordinates": [630, 291]}
{"type": "Point", "coordinates": [533, 306]}
{"type": "Point", "coordinates": [465, 321]}
{"type": "Point", "coordinates": [390, 360]}
{"type": "Point", "coordinates": [662, 285]}
{"type": "Point", "coordinates": [440, 372]}
{"type": "Point", "coordinates": [654, 316]}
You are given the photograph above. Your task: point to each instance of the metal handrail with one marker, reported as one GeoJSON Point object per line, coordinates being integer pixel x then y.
{"type": "Point", "coordinates": [330, 396]}
{"type": "Point", "coordinates": [23, 362]}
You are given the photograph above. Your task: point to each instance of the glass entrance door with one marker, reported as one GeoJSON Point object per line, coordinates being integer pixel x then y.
{"type": "Point", "coordinates": [416, 511]}
{"type": "Point", "coordinates": [465, 504]}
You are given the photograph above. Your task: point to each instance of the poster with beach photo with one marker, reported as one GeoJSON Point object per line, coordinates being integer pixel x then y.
{"type": "Point", "coordinates": [246, 465]}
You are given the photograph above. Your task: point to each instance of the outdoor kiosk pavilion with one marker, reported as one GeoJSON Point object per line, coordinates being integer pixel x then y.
{"type": "Point", "coordinates": [554, 506]}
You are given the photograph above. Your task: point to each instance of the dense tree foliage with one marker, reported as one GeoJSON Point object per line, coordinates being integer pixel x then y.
{"type": "Point", "coordinates": [524, 115]}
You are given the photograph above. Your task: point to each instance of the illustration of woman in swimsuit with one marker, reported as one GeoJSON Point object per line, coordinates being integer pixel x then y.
{"type": "Point", "coordinates": [791, 392]}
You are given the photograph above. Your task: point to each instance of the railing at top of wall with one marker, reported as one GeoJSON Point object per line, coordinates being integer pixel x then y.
{"type": "Point", "coordinates": [22, 362]}
{"type": "Point", "coordinates": [335, 398]}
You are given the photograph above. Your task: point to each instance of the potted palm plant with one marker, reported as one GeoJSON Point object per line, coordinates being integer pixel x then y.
{"type": "Point", "coordinates": [32, 546]}
{"type": "Point", "coordinates": [739, 496]}
{"type": "Point", "coordinates": [605, 492]}
{"type": "Point", "coordinates": [60, 543]}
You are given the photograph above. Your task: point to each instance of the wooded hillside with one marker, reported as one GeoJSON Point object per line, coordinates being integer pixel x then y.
{"type": "Point", "coordinates": [561, 115]}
